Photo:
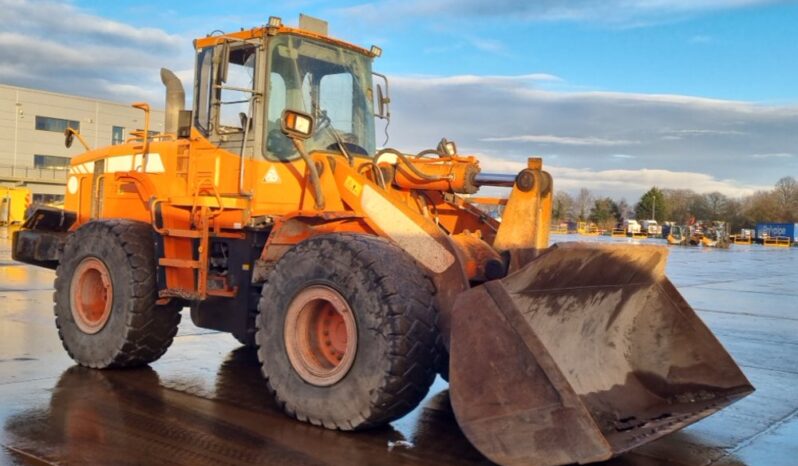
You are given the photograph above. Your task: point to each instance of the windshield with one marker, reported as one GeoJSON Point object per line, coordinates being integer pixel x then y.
{"type": "Point", "coordinates": [330, 83]}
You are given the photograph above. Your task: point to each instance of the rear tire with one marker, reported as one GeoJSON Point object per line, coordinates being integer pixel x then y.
{"type": "Point", "coordinates": [105, 294]}
{"type": "Point", "coordinates": [375, 304]}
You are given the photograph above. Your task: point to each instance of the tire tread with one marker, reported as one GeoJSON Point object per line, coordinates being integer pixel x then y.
{"type": "Point", "coordinates": [410, 325]}
{"type": "Point", "coordinates": [149, 329]}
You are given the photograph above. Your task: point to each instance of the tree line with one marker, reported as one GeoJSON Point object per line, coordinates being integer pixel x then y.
{"type": "Point", "coordinates": [682, 206]}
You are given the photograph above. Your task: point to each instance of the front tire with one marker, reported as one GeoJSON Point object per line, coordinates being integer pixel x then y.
{"type": "Point", "coordinates": [347, 332]}
{"type": "Point", "coordinates": [105, 297]}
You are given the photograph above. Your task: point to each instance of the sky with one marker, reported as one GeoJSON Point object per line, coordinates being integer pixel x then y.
{"type": "Point", "coordinates": [615, 95]}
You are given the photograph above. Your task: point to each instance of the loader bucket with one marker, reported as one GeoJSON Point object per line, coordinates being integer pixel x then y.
{"type": "Point", "coordinates": [582, 354]}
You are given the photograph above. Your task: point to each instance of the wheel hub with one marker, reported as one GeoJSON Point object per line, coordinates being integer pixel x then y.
{"type": "Point", "coordinates": [91, 295]}
{"type": "Point", "coordinates": [320, 335]}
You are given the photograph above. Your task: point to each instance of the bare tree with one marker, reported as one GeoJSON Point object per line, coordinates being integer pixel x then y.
{"type": "Point", "coordinates": [716, 205]}
{"type": "Point", "coordinates": [762, 206]}
{"type": "Point", "coordinates": [582, 204]}
{"type": "Point", "coordinates": [562, 205]}
{"type": "Point", "coordinates": [786, 196]}
{"type": "Point", "coordinates": [677, 204]}
{"type": "Point", "coordinates": [624, 210]}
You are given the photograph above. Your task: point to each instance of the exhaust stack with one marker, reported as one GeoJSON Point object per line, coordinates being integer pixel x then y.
{"type": "Point", "coordinates": [175, 100]}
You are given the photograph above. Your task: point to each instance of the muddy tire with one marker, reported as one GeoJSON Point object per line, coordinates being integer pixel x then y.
{"type": "Point", "coordinates": [347, 332]}
{"type": "Point", "coordinates": [105, 293]}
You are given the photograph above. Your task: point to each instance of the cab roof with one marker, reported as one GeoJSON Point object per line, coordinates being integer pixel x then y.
{"type": "Point", "coordinates": [263, 31]}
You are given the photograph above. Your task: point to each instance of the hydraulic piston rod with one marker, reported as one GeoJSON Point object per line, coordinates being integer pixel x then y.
{"type": "Point", "coordinates": [494, 179]}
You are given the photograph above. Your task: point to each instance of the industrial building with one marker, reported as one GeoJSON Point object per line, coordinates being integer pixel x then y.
{"type": "Point", "coordinates": [32, 124]}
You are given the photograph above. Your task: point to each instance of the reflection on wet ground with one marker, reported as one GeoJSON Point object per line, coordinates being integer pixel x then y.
{"type": "Point", "coordinates": [205, 402]}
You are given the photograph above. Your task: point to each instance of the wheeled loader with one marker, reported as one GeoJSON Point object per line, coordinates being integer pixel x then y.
{"type": "Point", "coordinates": [360, 273]}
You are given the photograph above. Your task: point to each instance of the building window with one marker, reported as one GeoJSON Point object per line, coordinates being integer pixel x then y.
{"type": "Point", "coordinates": [51, 199]}
{"type": "Point", "coordinates": [150, 134]}
{"type": "Point", "coordinates": [58, 125]}
{"type": "Point", "coordinates": [51, 161]}
{"type": "Point", "coordinates": [117, 135]}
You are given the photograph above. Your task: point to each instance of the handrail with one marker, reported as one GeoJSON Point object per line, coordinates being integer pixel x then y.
{"type": "Point", "coordinates": [145, 107]}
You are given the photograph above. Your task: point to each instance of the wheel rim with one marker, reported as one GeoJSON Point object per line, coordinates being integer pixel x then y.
{"type": "Point", "coordinates": [91, 295]}
{"type": "Point", "coordinates": [320, 335]}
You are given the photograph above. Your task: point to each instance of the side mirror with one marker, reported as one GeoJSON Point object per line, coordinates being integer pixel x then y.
{"type": "Point", "coordinates": [297, 125]}
{"type": "Point", "coordinates": [381, 103]}
{"type": "Point", "coordinates": [383, 99]}
{"type": "Point", "coordinates": [69, 137]}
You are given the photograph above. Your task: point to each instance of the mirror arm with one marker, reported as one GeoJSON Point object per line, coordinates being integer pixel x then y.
{"type": "Point", "coordinates": [315, 181]}
{"type": "Point", "coordinates": [245, 136]}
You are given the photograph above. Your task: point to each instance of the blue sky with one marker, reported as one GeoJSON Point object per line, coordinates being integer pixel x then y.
{"type": "Point", "coordinates": [745, 52]}
{"type": "Point", "coordinates": [616, 95]}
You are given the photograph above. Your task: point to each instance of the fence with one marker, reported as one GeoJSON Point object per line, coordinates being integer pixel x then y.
{"type": "Point", "coordinates": [30, 174]}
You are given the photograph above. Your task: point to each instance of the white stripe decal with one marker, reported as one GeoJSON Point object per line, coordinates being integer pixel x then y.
{"type": "Point", "coordinates": [124, 163]}
{"type": "Point", "coordinates": [410, 236]}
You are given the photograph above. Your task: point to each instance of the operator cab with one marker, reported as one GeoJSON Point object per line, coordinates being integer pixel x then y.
{"type": "Point", "coordinates": [245, 80]}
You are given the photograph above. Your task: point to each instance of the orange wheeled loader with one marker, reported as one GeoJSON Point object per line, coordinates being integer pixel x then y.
{"type": "Point", "coordinates": [358, 273]}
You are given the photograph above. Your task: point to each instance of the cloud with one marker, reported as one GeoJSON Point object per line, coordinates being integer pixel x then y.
{"type": "Point", "coordinates": [702, 132]}
{"type": "Point", "coordinates": [562, 140]}
{"type": "Point", "coordinates": [626, 183]}
{"type": "Point", "coordinates": [627, 12]}
{"type": "Point", "coordinates": [90, 55]}
{"type": "Point", "coordinates": [486, 45]}
{"type": "Point", "coordinates": [676, 140]}
{"type": "Point", "coordinates": [63, 19]}
{"type": "Point", "coordinates": [778, 155]}
{"type": "Point", "coordinates": [701, 39]}
{"type": "Point", "coordinates": [470, 79]}
{"type": "Point", "coordinates": [686, 141]}
{"type": "Point", "coordinates": [633, 182]}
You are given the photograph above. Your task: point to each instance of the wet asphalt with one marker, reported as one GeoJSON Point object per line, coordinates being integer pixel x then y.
{"type": "Point", "coordinates": [204, 402]}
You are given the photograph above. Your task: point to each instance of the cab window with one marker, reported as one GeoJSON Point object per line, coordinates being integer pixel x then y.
{"type": "Point", "coordinates": [234, 103]}
{"type": "Point", "coordinates": [202, 90]}
{"type": "Point", "coordinates": [332, 84]}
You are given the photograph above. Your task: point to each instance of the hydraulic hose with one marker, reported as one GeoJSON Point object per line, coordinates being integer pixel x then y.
{"type": "Point", "coordinates": [429, 152]}
{"type": "Point", "coordinates": [409, 165]}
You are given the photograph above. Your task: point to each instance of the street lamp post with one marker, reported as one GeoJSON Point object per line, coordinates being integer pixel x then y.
{"type": "Point", "coordinates": [16, 134]}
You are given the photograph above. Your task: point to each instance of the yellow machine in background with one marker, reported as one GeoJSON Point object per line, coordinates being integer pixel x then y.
{"type": "Point", "coordinates": [13, 203]}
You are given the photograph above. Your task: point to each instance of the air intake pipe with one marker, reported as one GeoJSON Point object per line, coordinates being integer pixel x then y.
{"type": "Point", "coordinates": [175, 100]}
